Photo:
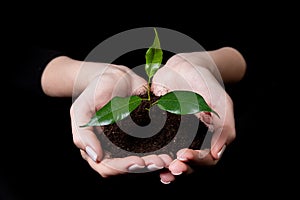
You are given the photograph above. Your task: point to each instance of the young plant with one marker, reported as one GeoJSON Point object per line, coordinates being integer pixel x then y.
{"type": "Point", "coordinates": [177, 102]}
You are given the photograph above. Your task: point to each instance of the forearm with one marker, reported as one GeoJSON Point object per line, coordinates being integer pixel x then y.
{"type": "Point", "coordinates": [59, 76]}
{"type": "Point", "coordinates": [65, 77]}
{"type": "Point", "coordinates": [226, 64]}
{"type": "Point", "coordinates": [230, 63]}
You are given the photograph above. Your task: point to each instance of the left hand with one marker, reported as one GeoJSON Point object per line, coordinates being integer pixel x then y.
{"type": "Point", "coordinates": [190, 71]}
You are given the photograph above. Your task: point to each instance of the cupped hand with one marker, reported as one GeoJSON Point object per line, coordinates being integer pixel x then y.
{"type": "Point", "coordinates": [198, 72]}
{"type": "Point", "coordinates": [104, 81]}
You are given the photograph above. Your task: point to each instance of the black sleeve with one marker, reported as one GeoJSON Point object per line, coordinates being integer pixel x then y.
{"type": "Point", "coordinates": [28, 66]}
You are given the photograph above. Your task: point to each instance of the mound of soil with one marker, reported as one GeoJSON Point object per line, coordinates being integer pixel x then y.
{"type": "Point", "coordinates": [147, 131]}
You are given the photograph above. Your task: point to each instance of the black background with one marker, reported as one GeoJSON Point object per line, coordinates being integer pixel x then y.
{"type": "Point", "coordinates": [39, 159]}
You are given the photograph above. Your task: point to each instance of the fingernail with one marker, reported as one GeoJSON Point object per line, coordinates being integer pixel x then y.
{"type": "Point", "coordinates": [203, 153]}
{"type": "Point", "coordinates": [153, 167]}
{"type": "Point", "coordinates": [182, 159]}
{"type": "Point", "coordinates": [135, 167]}
{"type": "Point", "coordinates": [176, 173]}
{"type": "Point", "coordinates": [219, 154]}
{"type": "Point", "coordinates": [175, 160]}
{"type": "Point", "coordinates": [91, 153]}
{"type": "Point", "coordinates": [165, 182]}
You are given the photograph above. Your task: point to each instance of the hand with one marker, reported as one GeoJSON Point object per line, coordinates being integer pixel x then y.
{"type": "Point", "coordinates": [198, 72]}
{"type": "Point", "coordinates": [110, 80]}
{"type": "Point", "coordinates": [92, 85]}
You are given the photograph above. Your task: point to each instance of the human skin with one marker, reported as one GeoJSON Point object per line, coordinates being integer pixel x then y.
{"type": "Point", "coordinates": [198, 72]}
{"type": "Point", "coordinates": [95, 83]}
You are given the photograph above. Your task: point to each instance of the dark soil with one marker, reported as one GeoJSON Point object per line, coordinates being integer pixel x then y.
{"type": "Point", "coordinates": [155, 131]}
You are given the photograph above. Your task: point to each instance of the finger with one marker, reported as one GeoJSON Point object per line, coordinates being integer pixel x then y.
{"type": "Point", "coordinates": [153, 162]}
{"type": "Point", "coordinates": [85, 139]}
{"type": "Point", "coordinates": [116, 166]}
{"type": "Point", "coordinates": [168, 79]}
{"type": "Point", "coordinates": [224, 130]}
{"type": "Point", "coordinates": [221, 137]}
{"type": "Point", "coordinates": [218, 145]}
{"type": "Point", "coordinates": [139, 85]}
{"type": "Point", "coordinates": [139, 89]}
{"type": "Point", "coordinates": [159, 89]}
{"type": "Point", "coordinates": [167, 159]}
{"type": "Point", "coordinates": [160, 81]}
{"type": "Point", "coordinates": [178, 167]}
{"type": "Point", "coordinates": [196, 157]}
{"type": "Point", "coordinates": [205, 117]}
{"type": "Point", "coordinates": [166, 177]}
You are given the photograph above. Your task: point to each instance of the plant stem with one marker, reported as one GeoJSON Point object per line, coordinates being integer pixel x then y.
{"type": "Point", "coordinates": [155, 102]}
{"type": "Point", "coordinates": [148, 90]}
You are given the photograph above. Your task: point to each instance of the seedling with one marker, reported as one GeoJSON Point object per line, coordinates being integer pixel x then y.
{"type": "Point", "coordinates": [179, 102]}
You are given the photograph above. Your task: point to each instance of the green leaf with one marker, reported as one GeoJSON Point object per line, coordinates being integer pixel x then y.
{"type": "Point", "coordinates": [115, 110]}
{"type": "Point", "coordinates": [154, 56]}
{"type": "Point", "coordinates": [183, 102]}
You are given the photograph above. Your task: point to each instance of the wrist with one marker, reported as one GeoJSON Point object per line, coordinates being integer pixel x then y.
{"type": "Point", "coordinates": [230, 63]}
{"type": "Point", "coordinates": [59, 76]}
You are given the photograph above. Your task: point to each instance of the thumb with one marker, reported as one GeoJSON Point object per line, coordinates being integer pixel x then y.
{"type": "Point", "coordinates": [224, 130]}
{"type": "Point", "coordinates": [218, 144]}
{"type": "Point", "coordinates": [86, 139]}
{"type": "Point", "coordinates": [217, 152]}
{"type": "Point", "coordinates": [220, 140]}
